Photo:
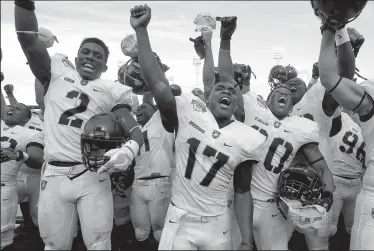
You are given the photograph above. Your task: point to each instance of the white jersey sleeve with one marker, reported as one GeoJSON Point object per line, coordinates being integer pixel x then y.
{"type": "Point", "coordinates": [37, 140]}
{"type": "Point", "coordinates": [35, 123]}
{"type": "Point", "coordinates": [59, 65]}
{"type": "Point", "coordinates": [367, 127]}
{"type": "Point", "coordinates": [121, 95]}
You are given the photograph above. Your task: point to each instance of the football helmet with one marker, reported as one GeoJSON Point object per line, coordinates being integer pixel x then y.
{"type": "Point", "coordinates": [176, 90]}
{"type": "Point", "coordinates": [300, 183]}
{"type": "Point", "coordinates": [277, 75]}
{"type": "Point", "coordinates": [101, 133]}
{"type": "Point", "coordinates": [291, 72]}
{"type": "Point", "coordinates": [337, 13]}
{"type": "Point", "coordinates": [123, 180]}
{"type": "Point", "coordinates": [129, 74]}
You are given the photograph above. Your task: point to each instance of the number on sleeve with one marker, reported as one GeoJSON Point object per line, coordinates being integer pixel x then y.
{"type": "Point", "coordinates": [260, 130]}
{"type": "Point", "coordinates": [64, 119]}
{"type": "Point", "coordinates": [209, 152]}
{"type": "Point", "coordinates": [12, 142]}
{"type": "Point", "coordinates": [308, 116]}
{"type": "Point", "coordinates": [350, 143]}
{"type": "Point", "coordinates": [35, 128]}
{"type": "Point", "coordinates": [146, 141]}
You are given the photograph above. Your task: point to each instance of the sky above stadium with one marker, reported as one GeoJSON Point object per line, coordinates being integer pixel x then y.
{"type": "Point", "coordinates": [262, 26]}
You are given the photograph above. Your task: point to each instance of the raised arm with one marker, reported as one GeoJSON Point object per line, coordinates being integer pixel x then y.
{"type": "Point", "coordinates": [35, 52]}
{"type": "Point", "coordinates": [3, 105]}
{"type": "Point", "coordinates": [317, 162]}
{"type": "Point", "coordinates": [345, 91]}
{"type": "Point", "coordinates": [225, 65]}
{"type": "Point", "coordinates": [151, 72]}
{"type": "Point", "coordinates": [39, 94]}
{"type": "Point", "coordinates": [9, 92]}
{"type": "Point", "coordinates": [208, 68]}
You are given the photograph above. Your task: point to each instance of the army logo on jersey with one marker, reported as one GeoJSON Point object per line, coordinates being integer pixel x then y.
{"type": "Point", "coordinates": [216, 134]}
{"type": "Point", "coordinates": [84, 82]}
{"type": "Point", "coordinates": [198, 105]}
{"type": "Point", "coordinates": [43, 184]}
{"type": "Point", "coordinates": [277, 124]}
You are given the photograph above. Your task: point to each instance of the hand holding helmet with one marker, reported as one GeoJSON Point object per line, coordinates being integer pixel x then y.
{"type": "Point", "coordinates": [228, 27]}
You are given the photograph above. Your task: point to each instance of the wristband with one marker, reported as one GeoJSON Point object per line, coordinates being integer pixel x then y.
{"type": "Point", "coordinates": [133, 146]}
{"type": "Point", "coordinates": [22, 156]}
{"type": "Point", "coordinates": [341, 36]}
{"type": "Point", "coordinates": [25, 4]}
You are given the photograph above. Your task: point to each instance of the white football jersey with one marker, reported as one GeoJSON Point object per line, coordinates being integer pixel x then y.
{"type": "Point", "coordinates": [348, 149]}
{"type": "Point", "coordinates": [35, 123]}
{"type": "Point", "coordinates": [310, 107]}
{"type": "Point", "coordinates": [17, 138]}
{"type": "Point", "coordinates": [206, 157]}
{"type": "Point", "coordinates": [367, 127]}
{"type": "Point", "coordinates": [155, 156]}
{"type": "Point", "coordinates": [283, 139]}
{"type": "Point", "coordinates": [69, 103]}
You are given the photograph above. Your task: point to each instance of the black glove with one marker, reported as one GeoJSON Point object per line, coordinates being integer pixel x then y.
{"type": "Point", "coordinates": [315, 71]}
{"type": "Point", "coordinates": [199, 46]}
{"type": "Point", "coordinates": [357, 40]}
{"type": "Point", "coordinates": [228, 27]}
{"type": "Point", "coordinates": [326, 200]}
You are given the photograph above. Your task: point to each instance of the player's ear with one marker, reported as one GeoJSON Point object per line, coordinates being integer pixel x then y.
{"type": "Point", "coordinates": [76, 60]}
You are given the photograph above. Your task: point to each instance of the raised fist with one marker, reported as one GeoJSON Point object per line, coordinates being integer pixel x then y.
{"type": "Point", "coordinates": [199, 46]}
{"type": "Point", "coordinates": [140, 16]}
{"type": "Point", "coordinates": [357, 40]}
{"type": "Point", "coordinates": [228, 27]}
{"type": "Point", "coordinates": [315, 71]}
{"type": "Point", "coordinates": [207, 35]}
{"type": "Point", "coordinates": [9, 89]}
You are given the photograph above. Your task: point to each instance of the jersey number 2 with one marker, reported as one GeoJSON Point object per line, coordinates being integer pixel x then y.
{"type": "Point", "coordinates": [64, 119]}
{"type": "Point", "coordinates": [209, 152]}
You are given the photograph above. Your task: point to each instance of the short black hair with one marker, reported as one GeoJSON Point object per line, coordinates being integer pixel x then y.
{"type": "Point", "coordinates": [27, 109]}
{"type": "Point", "coordinates": [98, 42]}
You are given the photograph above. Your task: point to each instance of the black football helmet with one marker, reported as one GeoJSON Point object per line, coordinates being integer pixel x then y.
{"type": "Point", "coordinates": [129, 74]}
{"type": "Point", "coordinates": [337, 13]}
{"type": "Point", "coordinates": [101, 133]}
{"type": "Point", "coordinates": [277, 75]}
{"type": "Point", "coordinates": [176, 89]}
{"type": "Point", "coordinates": [300, 183]}
{"type": "Point", "coordinates": [291, 72]}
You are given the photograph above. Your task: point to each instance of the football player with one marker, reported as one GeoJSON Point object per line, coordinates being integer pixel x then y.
{"type": "Point", "coordinates": [209, 147]}
{"type": "Point", "coordinates": [14, 151]}
{"type": "Point", "coordinates": [348, 160]}
{"type": "Point", "coordinates": [72, 96]}
{"type": "Point", "coordinates": [357, 98]}
{"type": "Point", "coordinates": [151, 187]}
{"type": "Point", "coordinates": [277, 75]}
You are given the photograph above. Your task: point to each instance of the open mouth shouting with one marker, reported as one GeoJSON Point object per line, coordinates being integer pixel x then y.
{"type": "Point", "coordinates": [282, 101]}
{"type": "Point", "coordinates": [10, 113]}
{"type": "Point", "coordinates": [293, 89]}
{"type": "Point", "coordinates": [224, 102]}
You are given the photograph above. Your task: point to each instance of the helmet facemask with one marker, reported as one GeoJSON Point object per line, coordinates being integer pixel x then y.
{"type": "Point", "coordinates": [93, 149]}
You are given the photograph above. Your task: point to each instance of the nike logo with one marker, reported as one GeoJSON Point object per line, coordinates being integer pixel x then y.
{"type": "Point", "coordinates": [171, 221]}
{"type": "Point", "coordinates": [103, 180]}
{"type": "Point", "coordinates": [286, 130]}
{"type": "Point", "coordinates": [298, 109]}
{"type": "Point", "coordinates": [273, 215]}
{"type": "Point", "coordinates": [13, 132]}
{"type": "Point", "coordinates": [96, 90]}
{"type": "Point", "coordinates": [226, 145]}
{"type": "Point", "coordinates": [226, 231]}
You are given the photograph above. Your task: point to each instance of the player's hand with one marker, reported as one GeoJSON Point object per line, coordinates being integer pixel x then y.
{"type": "Point", "coordinates": [120, 160]}
{"type": "Point", "coordinates": [315, 71]}
{"type": "Point", "coordinates": [9, 89]}
{"type": "Point", "coordinates": [199, 46]}
{"type": "Point", "coordinates": [207, 35]}
{"type": "Point", "coordinates": [140, 16]}
{"type": "Point", "coordinates": [228, 27]}
{"type": "Point", "coordinates": [326, 200]}
{"type": "Point", "coordinates": [8, 154]}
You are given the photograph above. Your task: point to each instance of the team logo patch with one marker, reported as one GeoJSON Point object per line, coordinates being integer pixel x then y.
{"type": "Point", "coordinates": [198, 105]}
{"type": "Point", "coordinates": [67, 63]}
{"type": "Point", "coordinates": [84, 82]}
{"type": "Point", "coordinates": [43, 184]}
{"type": "Point", "coordinates": [277, 124]}
{"type": "Point", "coordinates": [216, 134]}
{"type": "Point", "coordinates": [261, 102]}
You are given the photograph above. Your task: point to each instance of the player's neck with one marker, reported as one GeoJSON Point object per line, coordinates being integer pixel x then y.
{"type": "Point", "coordinates": [224, 122]}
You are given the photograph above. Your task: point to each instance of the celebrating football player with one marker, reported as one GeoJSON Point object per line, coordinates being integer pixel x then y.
{"type": "Point", "coordinates": [72, 96]}
{"type": "Point", "coordinates": [348, 161]}
{"type": "Point", "coordinates": [198, 210]}
{"type": "Point", "coordinates": [285, 136]}
{"type": "Point", "coordinates": [357, 98]}
{"type": "Point", "coordinates": [151, 187]}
